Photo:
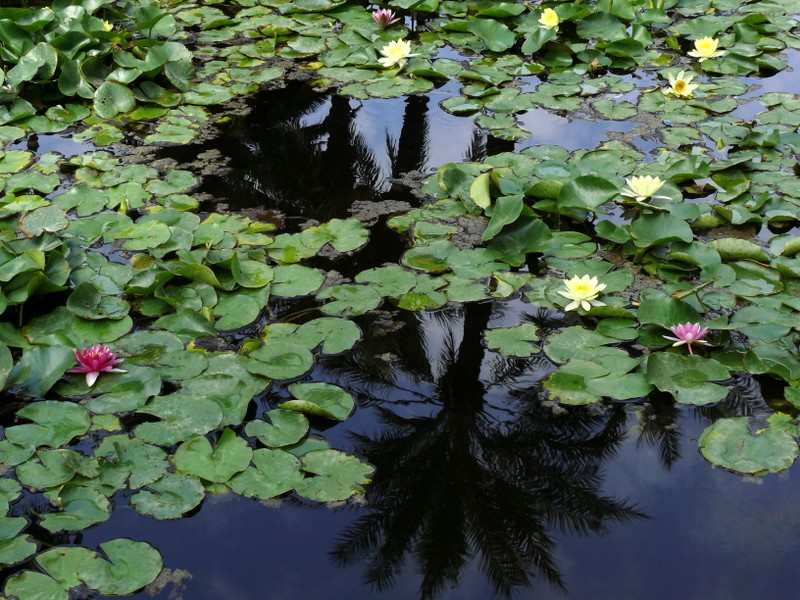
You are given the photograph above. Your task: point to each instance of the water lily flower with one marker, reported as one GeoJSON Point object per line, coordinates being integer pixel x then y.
{"type": "Point", "coordinates": [107, 26]}
{"type": "Point", "coordinates": [583, 292]}
{"type": "Point", "coordinates": [549, 19]}
{"type": "Point", "coordinates": [395, 53]}
{"type": "Point", "coordinates": [706, 48]}
{"type": "Point", "coordinates": [94, 360]}
{"type": "Point", "coordinates": [385, 17]}
{"type": "Point", "coordinates": [643, 188]}
{"type": "Point", "coordinates": [680, 85]}
{"type": "Point", "coordinates": [688, 333]}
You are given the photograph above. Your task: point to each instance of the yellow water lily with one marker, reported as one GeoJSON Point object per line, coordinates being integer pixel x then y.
{"type": "Point", "coordinates": [583, 292]}
{"type": "Point", "coordinates": [680, 86]}
{"type": "Point", "coordinates": [706, 48]}
{"type": "Point", "coordinates": [642, 188]}
{"type": "Point", "coordinates": [107, 26]}
{"type": "Point", "coordinates": [549, 19]}
{"type": "Point", "coordinates": [395, 53]}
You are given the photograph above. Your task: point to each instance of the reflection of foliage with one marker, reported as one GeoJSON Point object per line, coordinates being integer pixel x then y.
{"type": "Point", "coordinates": [659, 427]}
{"type": "Point", "coordinates": [468, 473]}
{"type": "Point", "coordinates": [290, 158]}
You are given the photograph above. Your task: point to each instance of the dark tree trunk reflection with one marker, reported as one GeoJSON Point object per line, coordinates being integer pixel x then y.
{"type": "Point", "coordinates": [467, 472]}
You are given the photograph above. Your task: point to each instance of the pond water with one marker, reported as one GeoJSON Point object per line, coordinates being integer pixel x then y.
{"type": "Point", "coordinates": [493, 476]}
{"type": "Point", "coordinates": [477, 471]}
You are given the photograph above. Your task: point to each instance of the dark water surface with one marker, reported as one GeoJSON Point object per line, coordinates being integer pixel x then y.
{"type": "Point", "coordinates": [482, 488]}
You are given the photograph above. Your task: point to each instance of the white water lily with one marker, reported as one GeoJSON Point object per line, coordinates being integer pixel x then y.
{"type": "Point", "coordinates": [395, 53]}
{"type": "Point", "coordinates": [706, 48]}
{"type": "Point", "coordinates": [549, 19]}
{"type": "Point", "coordinates": [643, 188]}
{"type": "Point", "coordinates": [680, 85]}
{"type": "Point", "coordinates": [583, 292]}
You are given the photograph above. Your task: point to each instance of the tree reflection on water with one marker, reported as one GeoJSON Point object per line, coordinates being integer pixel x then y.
{"type": "Point", "coordinates": [466, 470]}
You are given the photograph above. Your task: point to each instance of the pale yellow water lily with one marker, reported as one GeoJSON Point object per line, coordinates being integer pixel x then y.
{"type": "Point", "coordinates": [706, 48]}
{"type": "Point", "coordinates": [642, 188]}
{"type": "Point", "coordinates": [583, 291]}
{"type": "Point", "coordinates": [680, 85]}
{"type": "Point", "coordinates": [395, 53]}
{"type": "Point", "coordinates": [549, 19]}
{"type": "Point", "coordinates": [107, 26]}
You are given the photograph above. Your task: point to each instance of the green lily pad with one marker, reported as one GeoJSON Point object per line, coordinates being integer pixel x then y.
{"type": "Point", "coordinates": [181, 415]}
{"type": "Point", "coordinates": [281, 359]}
{"type": "Point", "coordinates": [291, 281]}
{"type": "Point", "coordinates": [349, 300]}
{"type": "Point", "coordinates": [287, 427]}
{"type": "Point", "coordinates": [336, 335]}
{"type": "Point", "coordinates": [337, 476]}
{"type": "Point", "coordinates": [688, 378]}
{"type": "Point", "coordinates": [230, 456]}
{"type": "Point", "coordinates": [81, 506]}
{"type": "Point", "coordinates": [125, 567]}
{"type": "Point", "coordinates": [34, 586]}
{"type": "Point", "coordinates": [170, 497]}
{"type": "Point", "coordinates": [54, 424]}
{"type": "Point", "coordinates": [513, 341]}
{"type": "Point", "coordinates": [49, 469]}
{"type": "Point", "coordinates": [730, 444]}
{"type": "Point", "coordinates": [48, 219]}
{"type": "Point", "coordinates": [274, 472]}
{"type": "Point", "coordinates": [61, 563]}
{"type": "Point", "coordinates": [142, 463]}
{"type": "Point", "coordinates": [320, 400]}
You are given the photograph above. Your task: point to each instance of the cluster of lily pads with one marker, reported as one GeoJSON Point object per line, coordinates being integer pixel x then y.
{"type": "Point", "coordinates": [113, 256]}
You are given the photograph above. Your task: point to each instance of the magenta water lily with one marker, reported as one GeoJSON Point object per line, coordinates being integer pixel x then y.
{"type": "Point", "coordinates": [93, 360]}
{"type": "Point", "coordinates": [688, 333]}
{"type": "Point", "coordinates": [385, 17]}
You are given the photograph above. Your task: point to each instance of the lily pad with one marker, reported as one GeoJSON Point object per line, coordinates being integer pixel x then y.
{"type": "Point", "coordinates": [337, 476]}
{"type": "Point", "coordinates": [124, 567]}
{"type": "Point", "coordinates": [513, 341]}
{"type": "Point", "coordinates": [320, 400]}
{"type": "Point", "coordinates": [730, 444]}
{"type": "Point", "coordinates": [688, 378]}
{"type": "Point", "coordinates": [170, 497]}
{"type": "Point", "coordinates": [287, 427]}
{"type": "Point", "coordinates": [273, 472]}
{"type": "Point", "coordinates": [230, 456]}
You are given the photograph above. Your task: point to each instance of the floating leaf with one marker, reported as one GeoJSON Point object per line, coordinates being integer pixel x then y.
{"type": "Point", "coordinates": [48, 219]}
{"type": "Point", "coordinates": [133, 458]}
{"type": "Point", "coordinates": [81, 506]}
{"type": "Point", "coordinates": [281, 359]}
{"type": "Point", "coordinates": [320, 400]}
{"type": "Point", "coordinates": [181, 416]}
{"type": "Point", "coordinates": [687, 377]}
{"type": "Point", "coordinates": [729, 443]}
{"type": "Point", "coordinates": [230, 456]}
{"type": "Point", "coordinates": [513, 341]}
{"type": "Point", "coordinates": [125, 567]}
{"type": "Point", "coordinates": [170, 497]}
{"type": "Point", "coordinates": [337, 476]}
{"type": "Point", "coordinates": [54, 424]}
{"type": "Point", "coordinates": [34, 586]}
{"type": "Point", "coordinates": [274, 472]}
{"type": "Point", "coordinates": [287, 427]}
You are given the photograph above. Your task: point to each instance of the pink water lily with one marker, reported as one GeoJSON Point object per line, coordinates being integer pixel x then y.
{"type": "Point", "coordinates": [385, 17]}
{"type": "Point", "coordinates": [688, 333]}
{"type": "Point", "coordinates": [94, 360]}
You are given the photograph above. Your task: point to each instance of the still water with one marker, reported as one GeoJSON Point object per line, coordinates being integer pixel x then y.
{"type": "Point", "coordinates": [482, 488]}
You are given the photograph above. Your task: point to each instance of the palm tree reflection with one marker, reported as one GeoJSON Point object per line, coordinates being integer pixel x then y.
{"type": "Point", "coordinates": [464, 470]}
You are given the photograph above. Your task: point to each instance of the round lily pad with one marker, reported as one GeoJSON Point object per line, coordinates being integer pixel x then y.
{"type": "Point", "coordinates": [320, 400]}
{"type": "Point", "coordinates": [170, 497]}
{"type": "Point", "coordinates": [729, 443]}
{"type": "Point", "coordinates": [125, 567]}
